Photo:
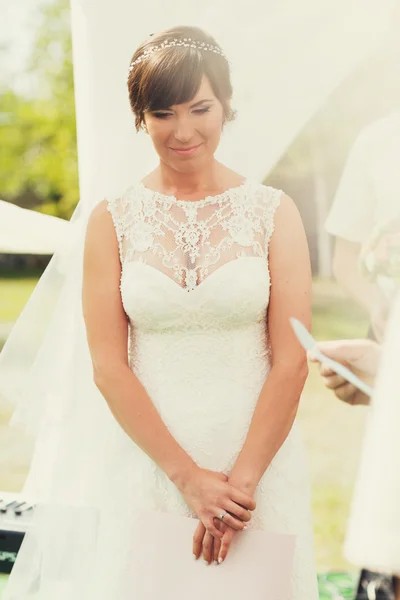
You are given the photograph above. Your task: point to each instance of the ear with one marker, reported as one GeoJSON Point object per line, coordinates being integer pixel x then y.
{"type": "Point", "coordinates": [228, 112]}
{"type": "Point", "coordinates": [144, 126]}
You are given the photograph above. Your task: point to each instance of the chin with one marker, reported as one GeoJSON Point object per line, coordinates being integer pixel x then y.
{"type": "Point", "coordinates": [188, 164]}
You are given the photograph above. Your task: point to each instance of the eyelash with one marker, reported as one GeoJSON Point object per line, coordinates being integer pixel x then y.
{"type": "Point", "coordinates": [200, 111]}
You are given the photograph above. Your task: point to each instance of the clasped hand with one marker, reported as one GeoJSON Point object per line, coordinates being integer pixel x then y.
{"type": "Point", "coordinates": [209, 494]}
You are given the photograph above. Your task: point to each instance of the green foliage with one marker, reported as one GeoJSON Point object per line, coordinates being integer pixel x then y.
{"type": "Point", "coordinates": [38, 134]}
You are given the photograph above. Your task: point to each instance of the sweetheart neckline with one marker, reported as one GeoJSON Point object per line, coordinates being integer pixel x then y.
{"type": "Point", "coordinates": [200, 285]}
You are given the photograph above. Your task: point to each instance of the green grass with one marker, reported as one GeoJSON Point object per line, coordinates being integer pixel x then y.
{"type": "Point", "coordinates": [334, 314]}
{"type": "Point", "coordinates": [3, 580]}
{"type": "Point", "coordinates": [332, 431]}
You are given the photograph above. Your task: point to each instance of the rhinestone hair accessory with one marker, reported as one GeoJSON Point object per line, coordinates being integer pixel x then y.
{"type": "Point", "coordinates": [186, 42]}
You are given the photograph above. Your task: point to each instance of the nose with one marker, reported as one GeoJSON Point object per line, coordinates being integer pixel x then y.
{"type": "Point", "coordinates": [183, 130]}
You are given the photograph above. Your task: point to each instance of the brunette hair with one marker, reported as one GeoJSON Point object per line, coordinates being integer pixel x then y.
{"type": "Point", "coordinates": [172, 75]}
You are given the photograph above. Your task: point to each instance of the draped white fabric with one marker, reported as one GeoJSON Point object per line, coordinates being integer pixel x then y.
{"type": "Point", "coordinates": [373, 537]}
{"type": "Point", "coordinates": [24, 231]}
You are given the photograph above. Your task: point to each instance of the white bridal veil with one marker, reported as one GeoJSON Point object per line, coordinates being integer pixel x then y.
{"type": "Point", "coordinates": [287, 57]}
{"type": "Point", "coordinates": [24, 231]}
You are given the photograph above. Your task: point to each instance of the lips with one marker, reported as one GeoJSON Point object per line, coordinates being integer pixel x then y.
{"type": "Point", "coordinates": [186, 151]}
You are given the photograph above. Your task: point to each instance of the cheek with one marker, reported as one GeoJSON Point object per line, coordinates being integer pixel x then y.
{"type": "Point", "coordinates": [159, 132]}
{"type": "Point", "coordinates": [213, 126]}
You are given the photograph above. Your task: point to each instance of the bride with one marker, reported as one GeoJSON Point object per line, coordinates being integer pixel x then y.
{"type": "Point", "coordinates": [189, 280]}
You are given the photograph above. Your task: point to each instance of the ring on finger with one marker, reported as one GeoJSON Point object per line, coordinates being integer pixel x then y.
{"type": "Point", "coordinates": [222, 515]}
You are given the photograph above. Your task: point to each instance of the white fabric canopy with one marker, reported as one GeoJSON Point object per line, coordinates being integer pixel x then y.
{"type": "Point", "coordinates": [24, 231]}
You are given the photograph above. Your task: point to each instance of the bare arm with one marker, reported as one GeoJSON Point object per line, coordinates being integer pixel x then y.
{"type": "Point", "coordinates": [107, 334]}
{"type": "Point", "coordinates": [290, 297]}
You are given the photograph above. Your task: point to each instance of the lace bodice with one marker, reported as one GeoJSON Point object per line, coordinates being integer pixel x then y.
{"type": "Point", "coordinates": [189, 240]}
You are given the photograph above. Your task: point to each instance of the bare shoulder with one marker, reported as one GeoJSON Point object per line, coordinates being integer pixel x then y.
{"type": "Point", "coordinates": [287, 205]}
{"type": "Point", "coordinates": [100, 220]}
{"type": "Point", "coordinates": [100, 230]}
{"type": "Point", "coordinates": [287, 216]}
{"type": "Point", "coordinates": [100, 214]}
{"type": "Point", "coordinates": [289, 252]}
{"type": "Point", "coordinates": [287, 229]}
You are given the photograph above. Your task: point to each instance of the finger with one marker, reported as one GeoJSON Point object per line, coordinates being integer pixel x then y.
{"type": "Point", "coordinates": [210, 527]}
{"type": "Point", "coordinates": [325, 371]}
{"type": "Point", "coordinates": [220, 525]}
{"type": "Point", "coordinates": [198, 539]}
{"type": "Point", "coordinates": [333, 382]}
{"type": "Point", "coordinates": [233, 522]}
{"type": "Point", "coordinates": [216, 549]}
{"type": "Point", "coordinates": [225, 544]}
{"type": "Point", "coordinates": [241, 498]}
{"type": "Point", "coordinates": [238, 511]}
{"type": "Point", "coordinates": [346, 392]}
{"type": "Point", "coordinates": [208, 547]}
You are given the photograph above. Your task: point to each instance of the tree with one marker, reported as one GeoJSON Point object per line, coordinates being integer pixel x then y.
{"type": "Point", "coordinates": [38, 133]}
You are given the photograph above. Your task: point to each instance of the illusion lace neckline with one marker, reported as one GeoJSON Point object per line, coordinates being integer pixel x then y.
{"type": "Point", "coordinates": [202, 201]}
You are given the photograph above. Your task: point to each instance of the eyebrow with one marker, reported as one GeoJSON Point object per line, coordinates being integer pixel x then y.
{"type": "Point", "coordinates": [201, 102]}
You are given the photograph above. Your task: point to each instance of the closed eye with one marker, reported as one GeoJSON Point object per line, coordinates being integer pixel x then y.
{"type": "Point", "coordinates": [164, 115]}
{"type": "Point", "coordinates": [161, 115]}
{"type": "Point", "coordinates": [201, 111]}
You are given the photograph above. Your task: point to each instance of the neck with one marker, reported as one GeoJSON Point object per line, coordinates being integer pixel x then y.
{"type": "Point", "coordinates": [211, 177]}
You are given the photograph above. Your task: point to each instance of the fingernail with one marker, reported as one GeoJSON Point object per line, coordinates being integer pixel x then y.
{"type": "Point", "coordinates": [206, 561]}
{"type": "Point", "coordinates": [220, 559]}
{"type": "Point", "coordinates": [195, 557]}
{"type": "Point", "coordinates": [215, 560]}
{"type": "Point", "coordinates": [245, 527]}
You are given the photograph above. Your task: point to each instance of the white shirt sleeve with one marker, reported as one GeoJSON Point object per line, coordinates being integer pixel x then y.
{"type": "Point", "coordinates": [373, 536]}
{"type": "Point", "coordinates": [352, 212]}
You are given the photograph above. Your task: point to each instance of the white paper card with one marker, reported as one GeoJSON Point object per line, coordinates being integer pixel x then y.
{"type": "Point", "coordinates": [258, 566]}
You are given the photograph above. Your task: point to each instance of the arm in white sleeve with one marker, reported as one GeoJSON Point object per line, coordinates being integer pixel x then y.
{"type": "Point", "coordinates": [352, 213]}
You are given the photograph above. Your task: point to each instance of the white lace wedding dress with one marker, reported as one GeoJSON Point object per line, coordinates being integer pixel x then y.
{"type": "Point", "coordinates": [195, 285]}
